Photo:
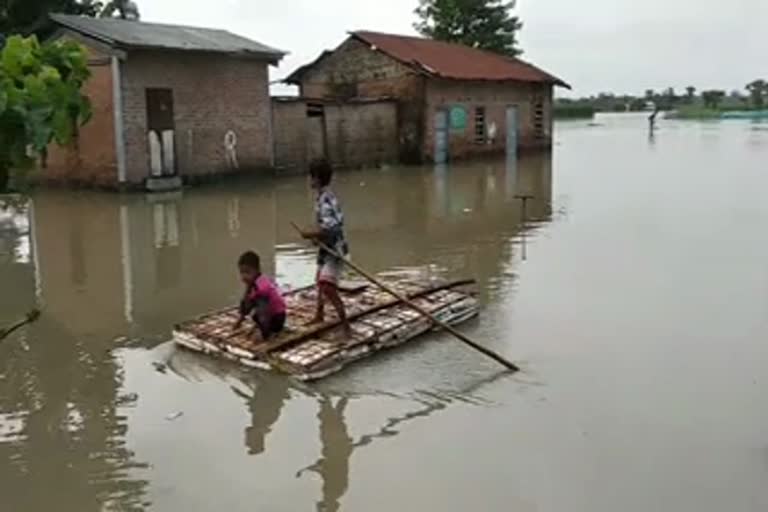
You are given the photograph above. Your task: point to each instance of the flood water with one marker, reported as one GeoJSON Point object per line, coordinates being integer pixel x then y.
{"type": "Point", "coordinates": [633, 293]}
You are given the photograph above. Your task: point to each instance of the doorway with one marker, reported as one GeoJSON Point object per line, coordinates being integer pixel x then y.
{"type": "Point", "coordinates": [161, 132]}
{"type": "Point", "coordinates": [441, 137]}
{"type": "Point", "coordinates": [512, 132]}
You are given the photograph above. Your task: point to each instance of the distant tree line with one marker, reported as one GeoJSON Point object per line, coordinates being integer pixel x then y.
{"type": "Point", "coordinates": [755, 98]}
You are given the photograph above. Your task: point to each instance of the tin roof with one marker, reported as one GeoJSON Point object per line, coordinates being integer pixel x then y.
{"type": "Point", "coordinates": [129, 34]}
{"type": "Point", "coordinates": [455, 61]}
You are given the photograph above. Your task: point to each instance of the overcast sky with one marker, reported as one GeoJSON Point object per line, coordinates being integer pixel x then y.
{"type": "Point", "coordinates": [623, 46]}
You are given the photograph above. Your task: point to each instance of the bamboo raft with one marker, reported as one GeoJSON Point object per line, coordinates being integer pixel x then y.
{"type": "Point", "coordinates": [310, 352]}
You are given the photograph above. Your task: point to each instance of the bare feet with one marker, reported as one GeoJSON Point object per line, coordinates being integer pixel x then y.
{"type": "Point", "coordinates": [316, 320]}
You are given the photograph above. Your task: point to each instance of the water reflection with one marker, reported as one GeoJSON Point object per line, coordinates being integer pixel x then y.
{"type": "Point", "coordinates": [112, 272]}
{"type": "Point", "coordinates": [265, 406]}
{"type": "Point", "coordinates": [338, 445]}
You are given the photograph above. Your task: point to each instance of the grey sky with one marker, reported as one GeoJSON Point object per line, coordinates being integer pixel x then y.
{"type": "Point", "coordinates": [596, 45]}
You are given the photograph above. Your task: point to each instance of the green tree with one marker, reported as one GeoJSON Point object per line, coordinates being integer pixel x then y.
{"type": "Point", "coordinates": [712, 98]}
{"type": "Point", "coordinates": [123, 9]}
{"type": "Point", "coordinates": [670, 97]}
{"type": "Point", "coordinates": [40, 100]}
{"type": "Point", "coordinates": [485, 24]}
{"type": "Point", "coordinates": [758, 92]}
{"type": "Point", "coordinates": [31, 16]}
{"type": "Point", "coordinates": [690, 94]}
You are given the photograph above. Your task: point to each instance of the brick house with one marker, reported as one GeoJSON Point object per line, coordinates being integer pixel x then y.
{"type": "Point", "coordinates": [453, 101]}
{"type": "Point", "coordinates": [169, 103]}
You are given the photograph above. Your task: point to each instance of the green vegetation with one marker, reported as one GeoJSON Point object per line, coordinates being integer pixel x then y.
{"type": "Point", "coordinates": [486, 24]}
{"type": "Point", "coordinates": [709, 104]}
{"type": "Point", "coordinates": [758, 93]}
{"type": "Point", "coordinates": [573, 111]}
{"type": "Point", "coordinates": [27, 17]}
{"type": "Point", "coordinates": [697, 112]}
{"type": "Point", "coordinates": [40, 100]}
{"type": "Point", "coordinates": [124, 9]}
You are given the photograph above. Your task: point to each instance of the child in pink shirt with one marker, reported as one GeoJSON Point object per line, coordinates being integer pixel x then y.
{"type": "Point", "coordinates": [262, 299]}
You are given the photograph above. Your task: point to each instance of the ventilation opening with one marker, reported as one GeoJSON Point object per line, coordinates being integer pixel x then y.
{"type": "Point", "coordinates": [480, 125]}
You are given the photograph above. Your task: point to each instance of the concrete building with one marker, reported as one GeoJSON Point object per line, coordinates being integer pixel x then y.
{"type": "Point", "coordinates": [170, 103]}
{"type": "Point", "coordinates": [453, 101]}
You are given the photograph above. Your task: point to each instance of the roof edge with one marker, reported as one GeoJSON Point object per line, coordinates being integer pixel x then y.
{"type": "Point", "coordinates": [273, 56]}
{"type": "Point", "coordinates": [64, 21]}
{"type": "Point", "coordinates": [419, 67]}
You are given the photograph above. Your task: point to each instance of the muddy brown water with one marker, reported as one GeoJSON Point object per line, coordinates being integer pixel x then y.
{"type": "Point", "coordinates": [634, 295]}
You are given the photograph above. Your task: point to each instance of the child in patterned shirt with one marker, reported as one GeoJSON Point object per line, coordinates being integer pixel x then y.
{"type": "Point", "coordinates": [329, 230]}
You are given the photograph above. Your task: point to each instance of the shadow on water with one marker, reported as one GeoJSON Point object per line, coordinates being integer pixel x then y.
{"type": "Point", "coordinates": [116, 272]}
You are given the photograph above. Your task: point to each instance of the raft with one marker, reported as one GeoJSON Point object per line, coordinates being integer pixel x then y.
{"type": "Point", "coordinates": [309, 352]}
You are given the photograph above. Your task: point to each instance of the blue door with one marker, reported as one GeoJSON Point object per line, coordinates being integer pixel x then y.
{"type": "Point", "coordinates": [441, 137]}
{"type": "Point", "coordinates": [512, 132]}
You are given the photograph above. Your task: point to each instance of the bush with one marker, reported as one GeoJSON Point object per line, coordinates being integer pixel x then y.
{"type": "Point", "coordinates": [573, 111]}
{"type": "Point", "coordinates": [40, 99]}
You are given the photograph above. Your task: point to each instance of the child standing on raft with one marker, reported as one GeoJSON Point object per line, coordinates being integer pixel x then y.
{"type": "Point", "coordinates": [329, 230]}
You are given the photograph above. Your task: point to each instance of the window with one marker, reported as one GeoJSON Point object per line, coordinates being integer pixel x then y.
{"type": "Point", "coordinates": [538, 119]}
{"type": "Point", "coordinates": [480, 125]}
{"type": "Point", "coordinates": [315, 110]}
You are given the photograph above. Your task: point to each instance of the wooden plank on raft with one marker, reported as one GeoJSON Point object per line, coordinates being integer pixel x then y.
{"type": "Point", "coordinates": [379, 321]}
{"type": "Point", "coordinates": [293, 338]}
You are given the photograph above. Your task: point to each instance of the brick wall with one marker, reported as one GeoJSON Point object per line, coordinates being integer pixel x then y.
{"type": "Point", "coordinates": [361, 134]}
{"type": "Point", "coordinates": [357, 134]}
{"type": "Point", "coordinates": [494, 97]}
{"type": "Point", "coordinates": [289, 120]}
{"type": "Point", "coordinates": [92, 161]}
{"type": "Point", "coordinates": [212, 95]}
{"type": "Point", "coordinates": [355, 70]}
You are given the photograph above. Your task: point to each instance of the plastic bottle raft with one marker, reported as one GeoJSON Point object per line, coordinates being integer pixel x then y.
{"type": "Point", "coordinates": [309, 352]}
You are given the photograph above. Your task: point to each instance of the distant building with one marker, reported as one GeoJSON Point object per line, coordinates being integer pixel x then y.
{"type": "Point", "coordinates": [169, 103]}
{"type": "Point", "coordinates": [453, 101]}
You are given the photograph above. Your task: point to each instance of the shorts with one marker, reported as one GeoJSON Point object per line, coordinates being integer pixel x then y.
{"type": "Point", "coordinates": [274, 325]}
{"type": "Point", "coordinates": [330, 271]}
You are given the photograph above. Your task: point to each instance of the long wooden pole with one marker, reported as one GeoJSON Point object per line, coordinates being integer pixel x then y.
{"type": "Point", "coordinates": [493, 355]}
{"type": "Point", "coordinates": [31, 317]}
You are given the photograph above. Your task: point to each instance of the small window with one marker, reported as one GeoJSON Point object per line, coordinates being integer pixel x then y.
{"type": "Point", "coordinates": [538, 119]}
{"type": "Point", "coordinates": [480, 125]}
{"type": "Point", "coordinates": [315, 110]}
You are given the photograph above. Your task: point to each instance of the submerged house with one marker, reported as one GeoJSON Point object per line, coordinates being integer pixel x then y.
{"type": "Point", "coordinates": [453, 101]}
{"type": "Point", "coordinates": [169, 103]}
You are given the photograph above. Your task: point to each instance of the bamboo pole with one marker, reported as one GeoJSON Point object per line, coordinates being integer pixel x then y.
{"type": "Point", "coordinates": [31, 317]}
{"type": "Point", "coordinates": [461, 337]}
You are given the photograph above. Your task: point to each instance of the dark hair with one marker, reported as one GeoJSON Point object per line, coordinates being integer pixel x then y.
{"type": "Point", "coordinates": [250, 259]}
{"type": "Point", "coordinates": [322, 171]}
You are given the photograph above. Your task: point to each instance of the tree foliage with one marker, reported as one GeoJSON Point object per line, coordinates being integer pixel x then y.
{"type": "Point", "coordinates": [485, 24]}
{"type": "Point", "coordinates": [758, 92]}
{"type": "Point", "coordinates": [28, 17]}
{"type": "Point", "coordinates": [31, 16]}
{"type": "Point", "coordinates": [124, 9]}
{"type": "Point", "coordinates": [40, 99]}
{"type": "Point", "coordinates": [712, 98]}
{"type": "Point", "coordinates": [690, 94]}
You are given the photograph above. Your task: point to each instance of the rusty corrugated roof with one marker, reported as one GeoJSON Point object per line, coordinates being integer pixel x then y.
{"type": "Point", "coordinates": [455, 61]}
